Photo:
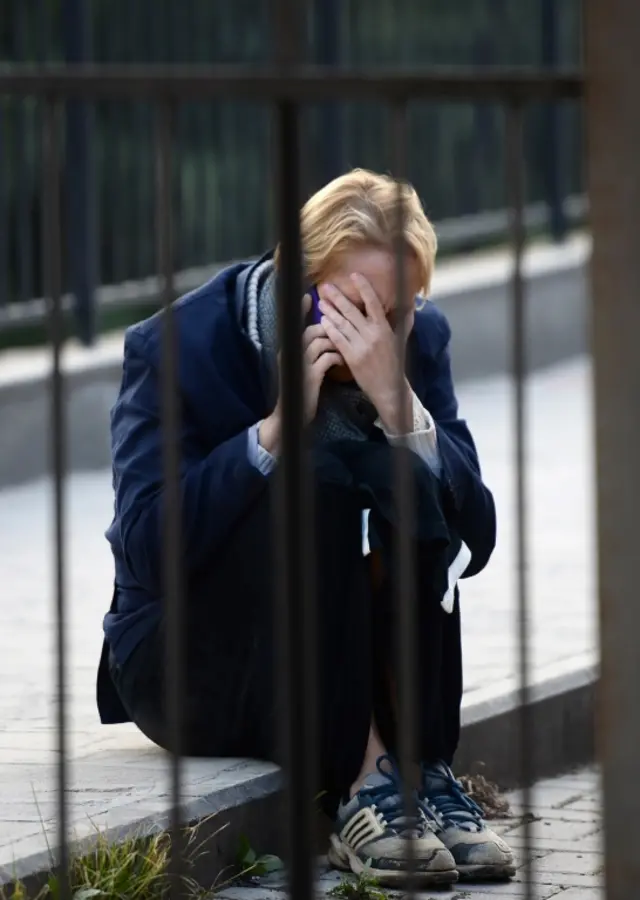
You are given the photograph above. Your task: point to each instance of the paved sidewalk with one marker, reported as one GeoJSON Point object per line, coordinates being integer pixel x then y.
{"type": "Point", "coordinates": [562, 617]}
{"type": "Point", "coordinates": [567, 858]}
{"type": "Point", "coordinates": [567, 839]}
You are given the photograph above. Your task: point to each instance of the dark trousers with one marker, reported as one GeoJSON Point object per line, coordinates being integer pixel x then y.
{"type": "Point", "coordinates": [230, 706]}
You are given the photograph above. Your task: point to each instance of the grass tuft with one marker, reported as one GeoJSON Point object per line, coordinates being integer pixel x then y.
{"type": "Point", "coordinates": [137, 868]}
{"type": "Point", "coordinates": [363, 887]}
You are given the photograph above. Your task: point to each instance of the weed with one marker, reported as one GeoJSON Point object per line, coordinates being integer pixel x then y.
{"type": "Point", "coordinates": [249, 863]}
{"type": "Point", "coordinates": [136, 868]}
{"type": "Point", "coordinates": [363, 887]}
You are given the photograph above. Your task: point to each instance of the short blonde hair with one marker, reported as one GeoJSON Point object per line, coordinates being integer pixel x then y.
{"type": "Point", "coordinates": [357, 209]}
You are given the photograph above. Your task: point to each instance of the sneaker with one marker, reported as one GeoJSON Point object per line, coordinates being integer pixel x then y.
{"type": "Point", "coordinates": [479, 853]}
{"type": "Point", "coordinates": [373, 833]}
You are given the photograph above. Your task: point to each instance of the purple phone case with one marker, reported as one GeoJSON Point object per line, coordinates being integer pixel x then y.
{"type": "Point", "coordinates": [316, 315]}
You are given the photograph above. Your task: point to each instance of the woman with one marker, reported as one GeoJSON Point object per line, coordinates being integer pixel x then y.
{"type": "Point", "coordinates": [230, 442]}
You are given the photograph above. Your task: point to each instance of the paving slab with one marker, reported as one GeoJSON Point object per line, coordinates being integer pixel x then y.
{"type": "Point", "coordinates": [111, 761]}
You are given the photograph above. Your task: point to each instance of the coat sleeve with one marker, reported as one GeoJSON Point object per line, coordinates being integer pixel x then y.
{"type": "Point", "coordinates": [217, 486]}
{"type": "Point", "coordinates": [469, 501]}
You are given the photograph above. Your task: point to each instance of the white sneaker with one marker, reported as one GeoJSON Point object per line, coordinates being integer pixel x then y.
{"type": "Point", "coordinates": [372, 832]}
{"type": "Point", "coordinates": [479, 853]}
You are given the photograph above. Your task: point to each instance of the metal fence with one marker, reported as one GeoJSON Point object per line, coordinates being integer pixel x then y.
{"type": "Point", "coordinates": [285, 88]}
{"type": "Point", "coordinates": [454, 151]}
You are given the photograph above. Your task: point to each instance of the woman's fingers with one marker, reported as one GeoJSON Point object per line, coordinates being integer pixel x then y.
{"type": "Point", "coordinates": [337, 336]}
{"type": "Point", "coordinates": [315, 376]}
{"type": "Point", "coordinates": [335, 323]}
{"type": "Point", "coordinates": [311, 333]}
{"type": "Point", "coordinates": [334, 302]}
{"type": "Point", "coordinates": [317, 347]}
{"type": "Point", "coordinates": [328, 359]}
{"type": "Point", "coordinates": [370, 299]}
{"type": "Point", "coordinates": [325, 362]}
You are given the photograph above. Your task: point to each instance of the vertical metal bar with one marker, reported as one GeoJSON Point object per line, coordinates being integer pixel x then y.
{"type": "Point", "coordinates": [289, 29]}
{"type": "Point", "coordinates": [405, 571]}
{"type": "Point", "coordinates": [117, 172]}
{"type": "Point", "coordinates": [330, 147]}
{"type": "Point", "coordinates": [613, 142]}
{"type": "Point", "coordinates": [24, 236]}
{"type": "Point", "coordinates": [44, 32]}
{"type": "Point", "coordinates": [551, 134]}
{"type": "Point", "coordinates": [4, 231]}
{"type": "Point", "coordinates": [516, 195]}
{"type": "Point", "coordinates": [143, 29]}
{"type": "Point", "coordinates": [209, 132]}
{"type": "Point", "coordinates": [295, 609]}
{"type": "Point", "coordinates": [171, 507]}
{"type": "Point", "coordinates": [199, 52]}
{"type": "Point", "coordinates": [483, 124]}
{"type": "Point", "coordinates": [82, 246]}
{"type": "Point", "coordinates": [295, 613]}
{"type": "Point", "coordinates": [130, 149]}
{"type": "Point", "coordinates": [201, 201]}
{"type": "Point", "coordinates": [178, 53]}
{"type": "Point", "coordinates": [52, 253]}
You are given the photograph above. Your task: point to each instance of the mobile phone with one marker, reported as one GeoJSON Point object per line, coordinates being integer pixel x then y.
{"type": "Point", "coordinates": [314, 312]}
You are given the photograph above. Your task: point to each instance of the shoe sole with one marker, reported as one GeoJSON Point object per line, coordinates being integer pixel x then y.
{"type": "Point", "coordinates": [487, 873]}
{"type": "Point", "coordinates": [344, 859]}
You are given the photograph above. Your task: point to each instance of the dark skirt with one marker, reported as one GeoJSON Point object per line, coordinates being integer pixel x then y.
{"type": "Point", "coordinates": [231, 706]}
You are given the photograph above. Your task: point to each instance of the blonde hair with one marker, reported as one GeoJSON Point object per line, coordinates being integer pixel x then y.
{"type": "Point", "coordinates": [359, 209]}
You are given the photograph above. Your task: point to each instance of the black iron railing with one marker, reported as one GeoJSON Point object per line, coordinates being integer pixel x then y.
{"type": "Point", "coordinates": [108, 190]}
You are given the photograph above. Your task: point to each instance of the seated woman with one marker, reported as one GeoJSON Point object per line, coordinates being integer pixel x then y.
{"type": "Point", "coordinates": [230, 442]}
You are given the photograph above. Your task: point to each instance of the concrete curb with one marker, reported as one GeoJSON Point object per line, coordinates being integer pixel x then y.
{"type": "Point", "coordinates": [562, 707]}
{"type": "Point", "coordinates": [473, 291]}
{"type": "Point", "coordinates": [561, 713]}
{"type": "Point", "coordinates": [238, 808]}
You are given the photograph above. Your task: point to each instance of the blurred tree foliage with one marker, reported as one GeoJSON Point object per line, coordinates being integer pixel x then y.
{"type": "Point", "coordinates": [223, 184]}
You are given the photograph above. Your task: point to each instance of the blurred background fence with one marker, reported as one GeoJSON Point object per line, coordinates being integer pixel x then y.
{"type": "Point", "coordinates": [455, 152]}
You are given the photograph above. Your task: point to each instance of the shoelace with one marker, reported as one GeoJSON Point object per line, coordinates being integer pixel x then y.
{"type": "Point", "coordinates": [450, 802]}
{"type": "Point", "coordinates": [386, 800]}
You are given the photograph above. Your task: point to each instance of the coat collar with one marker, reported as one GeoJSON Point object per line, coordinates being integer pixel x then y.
{"type": "Point", "coordinates": [241, 285]}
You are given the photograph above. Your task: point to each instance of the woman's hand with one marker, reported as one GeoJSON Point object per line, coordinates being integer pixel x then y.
{"type": "Point", "coordinates": [369, 346]}
{"type": "Point", "coordinates": [319, 355]}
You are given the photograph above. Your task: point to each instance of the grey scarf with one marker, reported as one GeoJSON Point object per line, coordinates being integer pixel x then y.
{"type": "Point", "coordinates": [344, 411]}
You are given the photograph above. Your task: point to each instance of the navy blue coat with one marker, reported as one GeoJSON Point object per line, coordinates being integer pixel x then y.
{"type": "Point", "coordinates": [223, 391]}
